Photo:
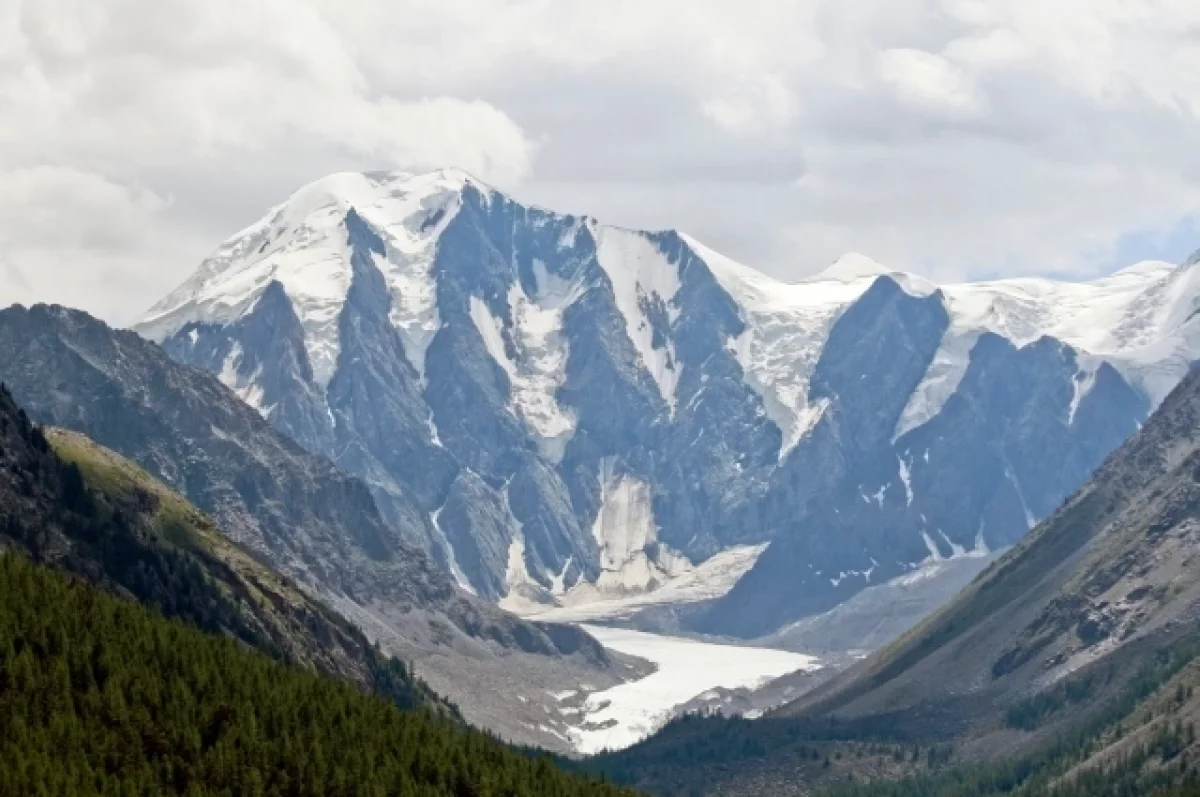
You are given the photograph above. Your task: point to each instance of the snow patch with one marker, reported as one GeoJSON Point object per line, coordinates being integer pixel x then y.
{"type": "Point", "coordinates": [1030, 520]}
{"type": "Point", "coordinates": [448, 551]}
{"type": "Point", "coordinates": [935, 555]}
{"type": "Point", "coordinates": [643, 280]}
{"type": "Point", "coordinates": [538, 368]}
{"type": "Point", "coordinates": [1082, 384]}
{"type": "Point", "coordinates": [247, 388]}
{"type": "Point", "coordinates": [906, 478]}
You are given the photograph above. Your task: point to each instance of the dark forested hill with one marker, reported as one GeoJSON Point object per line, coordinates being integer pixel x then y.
{"type": "Point", "coordinates": [99, 695]}
{"type": "Point", "coordinates": [102, 696]}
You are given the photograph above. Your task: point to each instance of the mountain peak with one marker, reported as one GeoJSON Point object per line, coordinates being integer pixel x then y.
{"type": "Point", "coordinates": [852, 266]}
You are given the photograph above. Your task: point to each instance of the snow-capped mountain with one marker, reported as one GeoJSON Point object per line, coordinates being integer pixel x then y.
{"type": "Point", "coordinates": [563, 411]}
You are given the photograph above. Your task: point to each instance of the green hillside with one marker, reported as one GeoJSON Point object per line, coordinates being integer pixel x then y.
{"type": "Point", "coordinates": [76, 506]}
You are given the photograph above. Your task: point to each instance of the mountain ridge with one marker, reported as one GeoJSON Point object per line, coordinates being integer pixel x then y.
{"type": "Point", "coordinates": [549, 372]}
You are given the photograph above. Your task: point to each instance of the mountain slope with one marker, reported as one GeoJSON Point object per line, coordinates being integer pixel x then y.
{"type": "Point", "coordinates": [71, 504]}
{"type": "Point", "coordinates": [1116, 564]}
{"type": "Point", "coordinates": [1074, 652]}
{"type": "Point", "coordinates": [563, 412]}
{"type": "Point", "coordinates": [295, 511]}
{"type": "Point", "coordinates": [104, 696]}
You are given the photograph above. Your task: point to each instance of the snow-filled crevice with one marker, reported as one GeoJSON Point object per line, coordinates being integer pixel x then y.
{"type": "Point", "coordinates": [537, 369]}
{"type": "Point", "coordinates": [642, 280]}
{"type": "Point", "coordinates": [247, 387]}
{"type": "Point", "coordinates": [447, 549]}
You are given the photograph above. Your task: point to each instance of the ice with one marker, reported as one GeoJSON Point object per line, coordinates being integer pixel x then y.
{"type": "Point", "coordinates": [642, 276]}
{"type": "Point", "coordinates": [685, 668]}
{"type": "Point", "coordinates": [906, 477]}
{"type": "Point", "coordinates": [1082, 384]}
{"type": "Point", "coordinates": [636, 569]}
{"type": "Point", "coordinates": [710, 579]}
{"type": "Point", "coordinates": [247, 388]}
{"type": "Point", "coordinates": [1142, 320]}
{"type": "Point", "coordinates": [934, 554]}
{"type": "Point", "coordinates": [448, 550]}
{"type": "Point", "coordinates": [1030, 520]}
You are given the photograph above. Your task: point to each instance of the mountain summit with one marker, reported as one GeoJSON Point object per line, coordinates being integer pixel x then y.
{"type": "Point", "coordinates": [567, 413]}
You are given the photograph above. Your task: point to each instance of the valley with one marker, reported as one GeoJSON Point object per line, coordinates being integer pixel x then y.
{"type": "Point", "coordinates": [584, 399]}
{"type": "Point", "coordinates": [588, 481]}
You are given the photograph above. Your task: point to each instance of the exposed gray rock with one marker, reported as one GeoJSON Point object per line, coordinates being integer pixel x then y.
{"type": "Point", "coordinates": [564, 360]}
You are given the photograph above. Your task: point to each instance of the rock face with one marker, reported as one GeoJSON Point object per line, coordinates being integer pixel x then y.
{"type": "Point", "coordinates": [78, 507]}
{"type": "Point", "coordinates": [551, 407]}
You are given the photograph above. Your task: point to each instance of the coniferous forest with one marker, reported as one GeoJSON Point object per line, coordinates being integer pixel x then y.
{"type": "Point", "coordinates": [102, 696]}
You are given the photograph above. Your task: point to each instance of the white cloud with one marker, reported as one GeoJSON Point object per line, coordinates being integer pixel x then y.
{"type": "Point", "coordinates": [929, 81]}
{"type": "Point", "coordinates": [78, 238]}
{"type": "Point", "coordinates": [961, 137]}
{"type": "Point", "coordinates": [764, 103]}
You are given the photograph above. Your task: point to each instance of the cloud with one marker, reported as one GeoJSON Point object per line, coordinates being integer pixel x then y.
{"type": "Point", "coordinates": [929, 81]}
{"type": "Point", "coordinates": [957, 137]}
{"type": "Point", "coordinates": [78, 238]}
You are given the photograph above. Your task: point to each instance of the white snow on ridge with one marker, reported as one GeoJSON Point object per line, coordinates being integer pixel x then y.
{"type": "Point", "coordinates": [786, 328]}
{"type": "Point", "coordinates": [1136, 319]}
{"type": "Point", "coordinates": [640, 273]}
{"type": "Point", "coordinates": [623, 715]}
{"type": "Point", "coordinates": [1139, 319]}
{"type": "Point", "coordinates": [302, 245]}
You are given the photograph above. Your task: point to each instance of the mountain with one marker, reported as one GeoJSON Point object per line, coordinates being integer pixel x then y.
{"type": "Point", "coordinates": [75, 506]}
{"type": "Point", "coordinates": [1072, 660]}
{"type": "Point", "coordinates": [563, 412]}
{"type": "Point", "coordinates": [102, 696]}
{"type": "Point", "coordinates": [297, 513]}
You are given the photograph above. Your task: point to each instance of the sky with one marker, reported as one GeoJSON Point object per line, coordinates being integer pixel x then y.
{"type": "Point", "coordinates": [954, 138]}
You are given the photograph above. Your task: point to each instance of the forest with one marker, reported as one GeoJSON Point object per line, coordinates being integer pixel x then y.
{"type": "Point", "coordinates": [102, 696]}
